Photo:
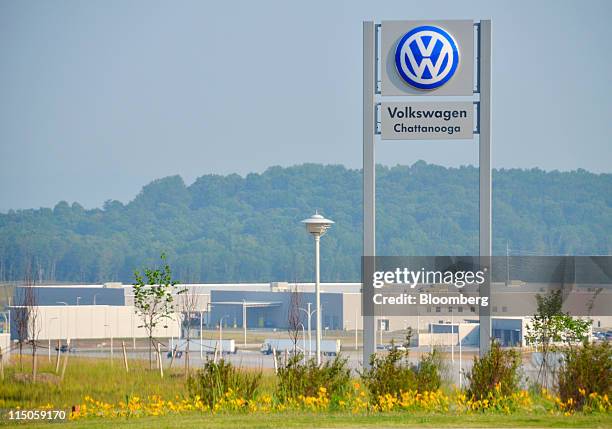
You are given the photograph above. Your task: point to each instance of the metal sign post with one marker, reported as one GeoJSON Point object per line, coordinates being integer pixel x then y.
{"type": "Point", "coordinates": [424, 59]}
{"type": "Point", "coordinates": [484, 165]}
{"type": "Point", "coordinates": [369, 175]}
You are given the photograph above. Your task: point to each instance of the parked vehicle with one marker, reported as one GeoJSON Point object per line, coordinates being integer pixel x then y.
{"type": "Point", "coordinates": [602, 336]}
{"type": "Point", "coordinates": [398, 347]}
{"type": "Point", "coordinates": [328, 347]}
{"type": "Point", "coordinates": [64, 348]}
{"type": "Point", "coordinates": [208, 346]}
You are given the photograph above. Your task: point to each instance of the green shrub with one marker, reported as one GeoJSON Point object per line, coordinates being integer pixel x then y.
{"type": "Point", "coordinates": [215, 379]}
{"type": "Point", "coordinates": [499, 369]}
{"type": "Point", "coordinates": [390, 373]}
{"type": "Point", "coordinates": [297, 378]}
{"type": "Point", "coordinates": [428, 372]}
{"type": "Point", "coordinates": [586, 370]}
{"type": "Point", "coordinates": [393, 374]}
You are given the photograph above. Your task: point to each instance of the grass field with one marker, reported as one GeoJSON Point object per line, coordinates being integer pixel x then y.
{"type": "Point", "coordinates": [305, 420]}
{"type": "Point", "coordinates": [93, 377]}
{"type": "Point", "coordinates": [96, 378]}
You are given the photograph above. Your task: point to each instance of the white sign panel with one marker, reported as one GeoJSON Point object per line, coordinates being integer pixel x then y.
{"type": "Point", "coordinates": [427, 57]}
{"type": "Point", "coordinates": [427, 121]}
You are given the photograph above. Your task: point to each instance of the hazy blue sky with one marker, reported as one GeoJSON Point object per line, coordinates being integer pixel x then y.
{"type": "Point", "coordinates": [97, 98]}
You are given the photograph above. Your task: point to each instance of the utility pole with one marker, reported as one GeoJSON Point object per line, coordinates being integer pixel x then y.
{"type": "Point", "coordinates": [507, 263]}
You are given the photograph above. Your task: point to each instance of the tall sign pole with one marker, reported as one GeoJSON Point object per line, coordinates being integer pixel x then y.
{"type": "Point", "coordinates": [369, 166]}
{"type": "Point", "coordinates": [485, 223]}
{"type": "Point", "coordinates": [420, 60]}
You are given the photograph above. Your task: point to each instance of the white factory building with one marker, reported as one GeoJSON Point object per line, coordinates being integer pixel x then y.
{"type": "Point", "coordinates": [107, 310]}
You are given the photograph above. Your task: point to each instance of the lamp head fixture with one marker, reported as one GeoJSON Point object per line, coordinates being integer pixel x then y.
{"type": "Point", "coordinates": [317, 225]}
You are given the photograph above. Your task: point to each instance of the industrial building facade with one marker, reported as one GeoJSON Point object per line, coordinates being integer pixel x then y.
{"type": "Point", "coordinates": [103, 311]}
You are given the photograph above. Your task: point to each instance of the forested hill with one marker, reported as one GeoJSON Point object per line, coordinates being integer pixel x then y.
{"type": "Point", "coordinates": [233, 228]}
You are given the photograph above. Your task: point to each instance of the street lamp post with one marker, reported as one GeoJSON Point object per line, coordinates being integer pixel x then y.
{"type": "Point", "coordinates": [303, 340]}
{"type": "Point", "coordinates": [244, 320]}
{"type": "Point", "coordinates": [460, 357]}
{"type": "Point", "coordinates": [49, 339]}
{"type": "Point", "coordinates": [452, 336]}
{"type": "Point", "coordinates": [110, 331]}
{"type": "Point", "coordinates": [221, 335]}
{"type": "Point", "coordinates": [201, 345]}
{"type": "Point", "coordinates": [356, 330]}
{"type": "Point", "coordinates": [309, 314]}
{"type": "Point", "coordinates": [76, 319]}
{"type": "Point", "coordinates": [67, 319]}
{"type": "Point", "coordinates": [132, 329]}
{"type": "Point", "coordinates": [317, 225]}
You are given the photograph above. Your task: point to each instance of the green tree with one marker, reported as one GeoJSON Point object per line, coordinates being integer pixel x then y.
{"type": "Point", "coordinates": [154, 299]}
{"type": "Point", "coordinates": [552, 330]}
{"type": "Point", "coordinates": [247, 229]}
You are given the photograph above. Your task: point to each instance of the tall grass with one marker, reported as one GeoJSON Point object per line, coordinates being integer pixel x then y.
{"type": "Point", "coordinates": [85, 376]}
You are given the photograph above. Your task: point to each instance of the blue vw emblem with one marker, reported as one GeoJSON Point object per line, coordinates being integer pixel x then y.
{"type": "Point", "coordinates": [426, 57]}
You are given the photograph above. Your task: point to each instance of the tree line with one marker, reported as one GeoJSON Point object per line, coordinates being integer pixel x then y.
{"type": "Point", "coordinates": [229, 228]}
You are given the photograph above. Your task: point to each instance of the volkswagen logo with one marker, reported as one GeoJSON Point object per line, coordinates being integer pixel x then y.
{"type": "Point", "coordinates": [426, 57]}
